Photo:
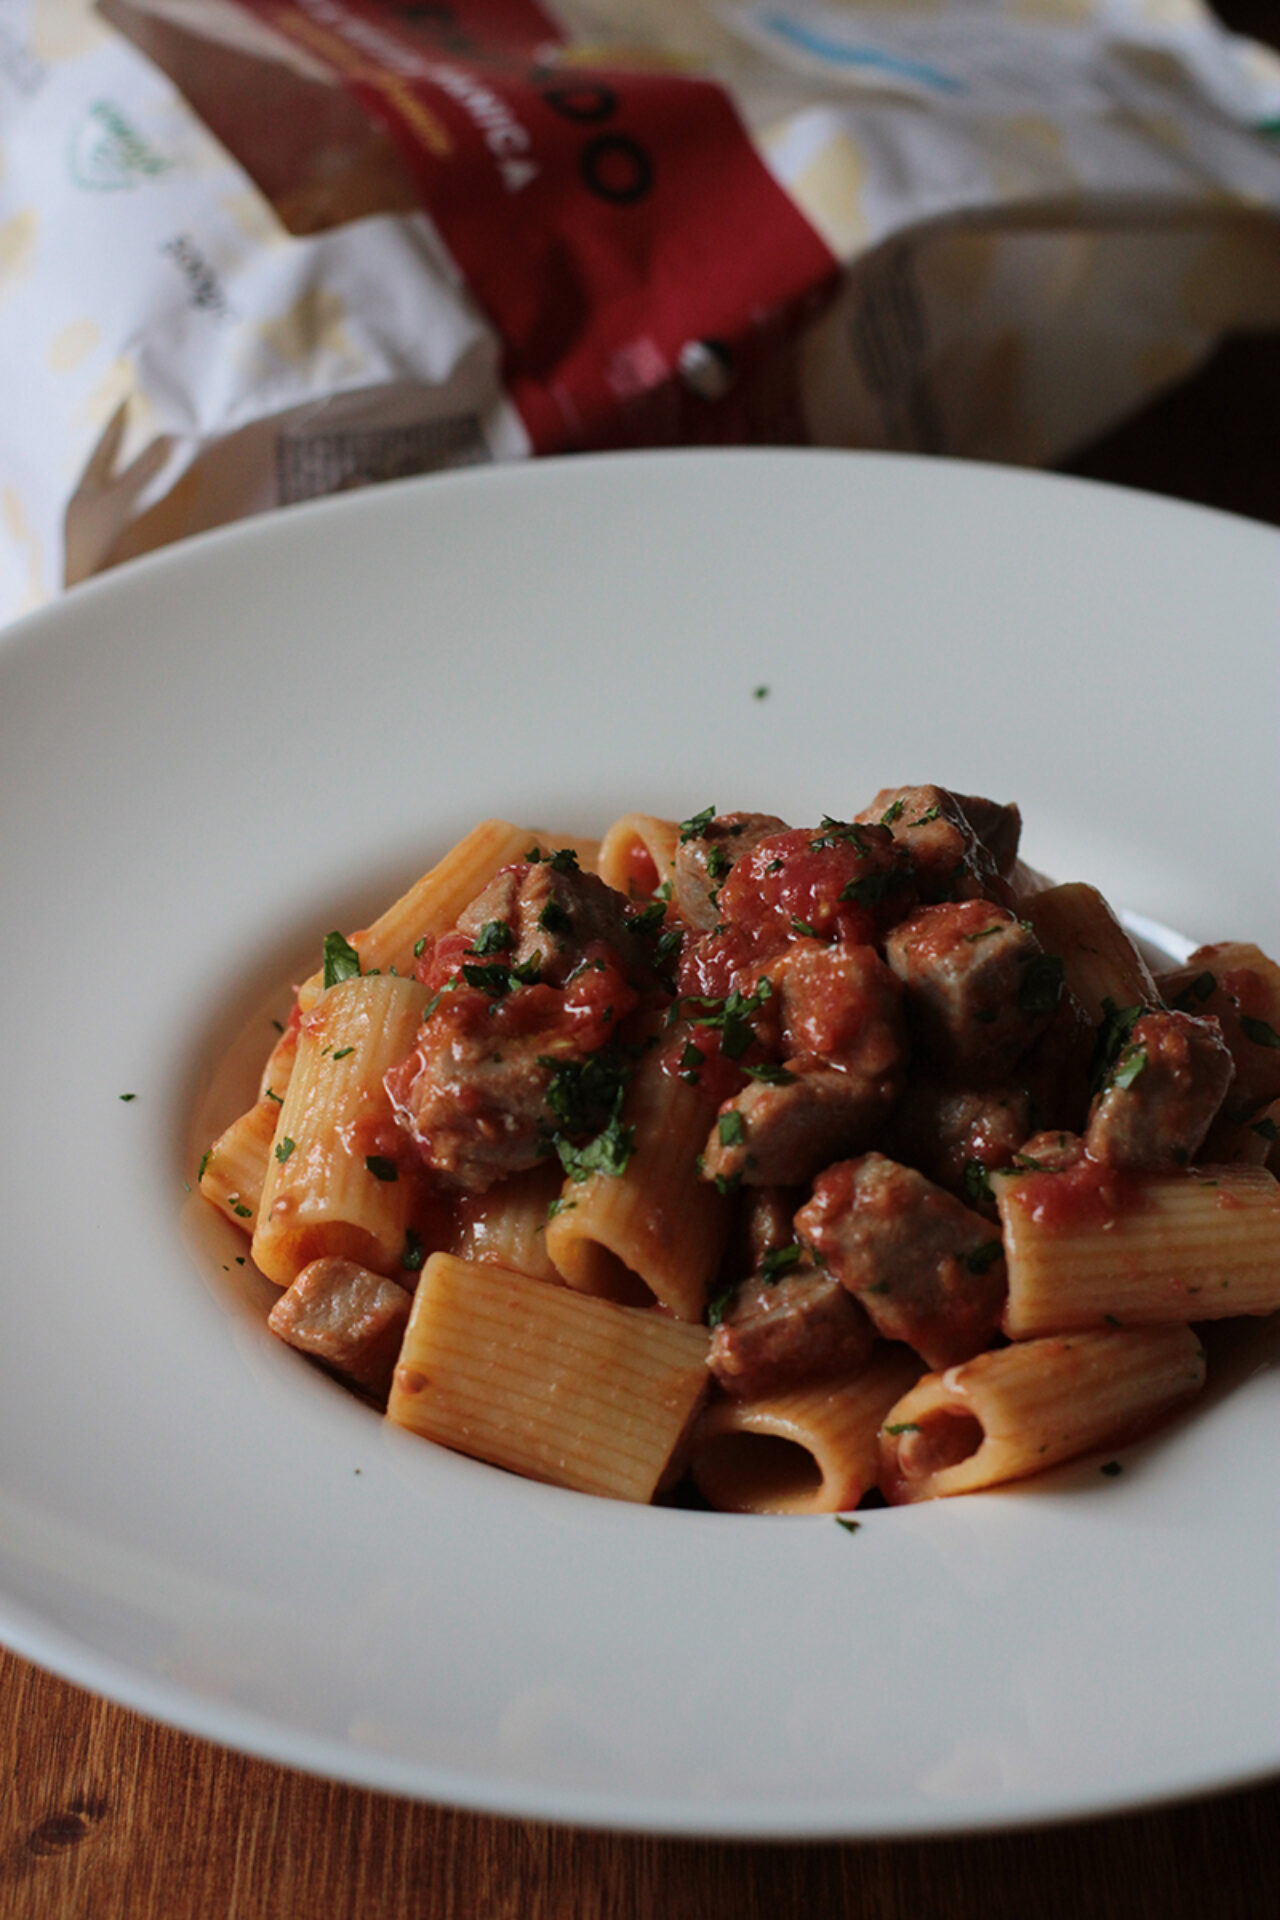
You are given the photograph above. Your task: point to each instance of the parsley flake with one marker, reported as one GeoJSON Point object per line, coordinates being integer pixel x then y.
{"type": "Point", "coordinates": [780, 1260]}
{"type": "Point", "coordinates": [1128, 1067]}
{"type": "Point", "coordinates": [732, 1128]}
{"type": "Point", "coordinates": [341, 961]}
{"type": "Point", "coordinates": [284, 1148]}
{"type": "Point", "coordinates": [495, 936]}
{"type": "Point", "coordinates": [1259, 1032]}
{"type": "Point", "coordinates": [977, 1187]}
{"type": "Point", "coordinates": [846, 1524]}
{"type": "Point", "coordinates": [696, 825]}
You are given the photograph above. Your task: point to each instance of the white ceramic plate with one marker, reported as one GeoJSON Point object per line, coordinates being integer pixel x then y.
{"type": "Point", "coordinates": [211, 758]}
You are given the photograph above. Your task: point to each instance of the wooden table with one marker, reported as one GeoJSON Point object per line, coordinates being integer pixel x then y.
{"type": "Point", "coordinates": [105, 1816]}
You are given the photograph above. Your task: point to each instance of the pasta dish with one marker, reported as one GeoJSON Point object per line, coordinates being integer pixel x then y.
{"type": "Point", "coordinates": [776, 1169]}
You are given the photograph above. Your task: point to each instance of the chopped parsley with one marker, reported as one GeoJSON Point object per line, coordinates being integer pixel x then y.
{"type": "Point", "coordinates": [718, 1304]}
{"type": "Point", "coordinates": [608, 1153]}
{"type": "Point", "coordinates": [977, 1187]}
{"type": "Point", "coordinates": [650, 920]}
{"type": "Point", "coordinates": [128, 1096]}
{"type": "Point", "coordinates": [495, 936]}
{"type": "Point", "coordinates": [414, 1253]}
{"type": "Point", "coordinates": [1114, 1031]}
{"type": "Point", "coordinates": [1128, 1067]}
{"type": "Point", "coordinates": [772, 1076]}
{"type": "Point", "coordinates": [846, 1524]}
{"type": "Point", "coordinates": [894, 811]}
{"type": "Point", "coordinates": [732, 1128]}
{"type": "Point", "coordinates": [780, 1260]}
{"type": "Point", "coordinates": [341, 961]}
{"type": "Point", "coordinates": [586, 1097]}
{"type": "Point", "coordinates": [419, 946]}
{"type": "Point", "coordinates": [690, 1063]}
{"type": "Point", "coordinates": [871, 888]}
{"type": "Point", "coordinates": [556, 919]}
{"type": "Point", "coordinates": [760, 693]}
{"type": "Point", "coordinates": [718, 863]}
{"type": "Point", "coordinates": [1197, 990]}
{"type": "Point", "coordinates": [1266, 1128]}
{"type": "Point", "coordinates": [696, 825]}
{"type": "Point", "coordinates": [1259, 1032]}
{"type": "Point", "coordinates": [284, 1148]}
{"type": "Point", "coordinates": [498, 980]}
{"type": "Point", "coordinates": [732, 1017]}
{"type": "Point", "coordinates": [835, 833]}
{"type": "Point", "coordinates": [342, 1052]}
{"type": "Point", "coordinates": [563, 860]}
{"type": "Point", "coordinates": [583, 1094]}
{"type": "Point", "coordinates": [903, 1426]}
{"type": "Point", "coordinates": [979, 1258]}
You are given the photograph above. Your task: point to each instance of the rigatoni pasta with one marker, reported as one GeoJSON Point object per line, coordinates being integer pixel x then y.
{"type": "Point", "coordinates": [761, 1167]}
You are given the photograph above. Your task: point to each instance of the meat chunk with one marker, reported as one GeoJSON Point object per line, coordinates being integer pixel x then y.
{"type": "Point", "coordinates": [926, 1268]}
{"type": "Point", "coordinates": [494, 1076]}
{"type": "Point", "coordinates": [547, 915]}
{"type": "Point", "coordinates": [707, 851]}
{"type": "Point", "coordinates": [782, 1133]}
{"type": "Point", "coordinates": [784, 1333]}
{"type": "Point", "coordinates": [957, 1135]}
{"type": "Point", "coordinates": [351, 1320]}
{"type": "Point", "coordinates": [836, 881]}
{"type": "Point", "coordinates": [979, 987]}
{"type": "Point", "coordinates": [474, 1104]}
{"type": "Point", "coordinates": [952, 862]}
{"type": "Point", "coordinates": [842, 1005]}
{"type": "Point", "coordinates": [1162, 1093]}
{"type": "Point", "coordinates": [1239, 986]}
{"type": "Point", "coordinates": [998, 825]}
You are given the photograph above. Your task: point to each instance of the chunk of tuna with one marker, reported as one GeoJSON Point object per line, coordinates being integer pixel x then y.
{"type": "Point", "coordinates": [1235, 983]}
{"type": "Point", "coordinates": [952, 861]}
{"type": "Point", "coordinates": [957, 1135]}
{"type": "Point", "coordinates": [705, 859]}
{"type": "Point", "coordinates": [535, 913]}
{"type": "Point", "coordinates": [775, 1134]}
{"type": "Point", "coordinates": [979, 987]}
{"type": "Point", "coordinates": [351, 1320]}
{"type": "Point", "coordinates": [927, 1269]}
{"type": "Point", "coordinates": [1162, 1094]}
{"type": "Point", "coordinates": [843, 1005]}
{"type": "Point", "coordinates": [784, 1333]}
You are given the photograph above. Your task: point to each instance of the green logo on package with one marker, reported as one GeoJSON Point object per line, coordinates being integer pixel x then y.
{"type": "Point", "coordinates": [109, 155]}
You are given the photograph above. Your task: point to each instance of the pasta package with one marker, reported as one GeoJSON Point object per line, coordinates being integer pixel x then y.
{"type": "Point", "coordinates": [257, 251]}
{"type": "Point", "coordinates": [767, 1168]}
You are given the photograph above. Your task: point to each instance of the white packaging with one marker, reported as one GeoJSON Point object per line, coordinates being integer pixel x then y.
{"type": "Point", "coordinates": [1032, 213]}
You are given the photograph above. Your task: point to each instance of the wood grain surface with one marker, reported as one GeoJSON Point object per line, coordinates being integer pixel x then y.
{"type": "Point", "coordinates": [107, 1816]}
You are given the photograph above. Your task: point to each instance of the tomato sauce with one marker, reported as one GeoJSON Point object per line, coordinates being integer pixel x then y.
{"type": "Point", "coordinates": [1088, 1193]}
